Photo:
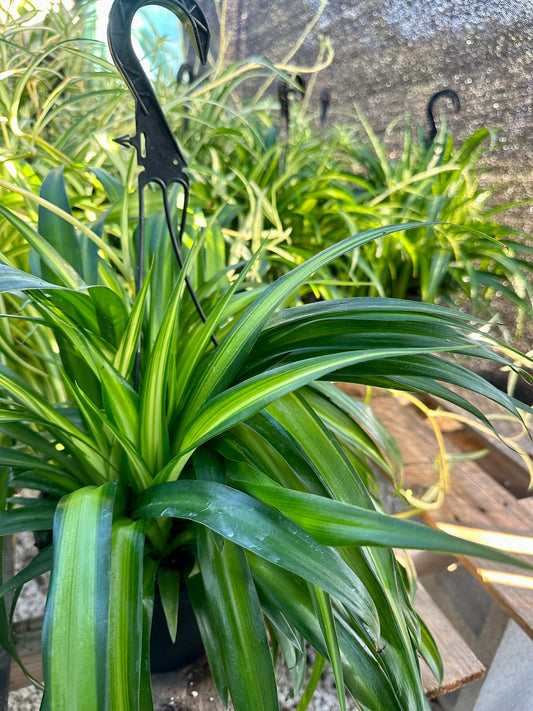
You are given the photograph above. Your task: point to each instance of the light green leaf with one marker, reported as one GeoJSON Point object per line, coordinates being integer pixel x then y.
{"type": "Point", "coordinates": [75, 626]}
{"type": "Point", "coordinates": [238, 620]}
{"type": "Point", "coordinates": [125, 639]}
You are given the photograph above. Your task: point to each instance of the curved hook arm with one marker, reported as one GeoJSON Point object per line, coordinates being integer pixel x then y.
{"type": "Point", "coordinates": [185, 74]}
{"type": "Point", "coordinates": [447, 93]}
{"type": "Point", "coordinates": [157, 149]}
{"type": "Point", "coordinates": [158, 152]}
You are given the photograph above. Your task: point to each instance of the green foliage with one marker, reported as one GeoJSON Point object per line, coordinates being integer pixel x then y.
{"type": "Point", "coordinates": [63, 101]}
{"type": "Point", "coordinates": [283, 541]}
{"type": "Point", "coordinates": [238, 471]}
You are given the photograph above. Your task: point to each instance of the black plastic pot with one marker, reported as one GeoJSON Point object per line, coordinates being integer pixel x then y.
{"type": "Point", "coordinates": [166, 655]}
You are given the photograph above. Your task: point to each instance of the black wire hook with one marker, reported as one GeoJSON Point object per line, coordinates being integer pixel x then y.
{"type": "Point", "coordinates": [445, 93]}
{"type": "Point", "coordinates": [284, 91]}
{"type": "Point", "coordinates": [185, 76]}
{"type": "Point", "coordinates": [158, 152]}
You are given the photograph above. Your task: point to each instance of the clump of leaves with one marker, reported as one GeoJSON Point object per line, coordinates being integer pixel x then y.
{"type": "Point", "coordinates": [236, 471]}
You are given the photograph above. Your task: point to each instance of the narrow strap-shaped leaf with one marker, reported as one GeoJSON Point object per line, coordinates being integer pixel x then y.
{"type": "Point", "coordinates": [197, 595]}
{"type": "Point", "coordinates": [12, 279]}
{"type": "Point", "coordinates": [329, 461]}
{"type": "Point", "coordinates": [169, 589]}
{"type": "Point", "coordinates": [327, 623]}
{"type": "Point", "coordinates": [312, 684]}
{"type": "Point", "coordinates": [335, 523]}
{"type": "Point", "coordinates": [430, 652]}
{"type": "Point", "coordinates": [16, 459]}
{"type": "Point", "coordinates": [28, 518]}
{"type": "Point", "coordinates": [125, 640]}
{"type": "Point", "coordinates": [256, 527]}
{"type": "Point", "coordinates": [153, 426]}
{"type": "Point", "coordinates": [125, 355]}
{"type": "Point", "coordinates": [38, 565]}
{"type": "Point", "coordinates": [58, 232]}
{"type": "Point", "coordinates": [50, 256]}
{"type": "Point", "coordinates": [75, 625]}
{"type": "Point", "coordinates": [364, 672]}
{"type": "Point", "coordinates": [236, 612]}
{"type": "Point", "coordinates": [74, 439]}
{"type": "Point", "coordinates": [228, 358]}
{"type": "Point", "coordinates": [196, 348]}
{"type": "Point", "coordinates": [139, 474]}
{"type": "Point", "coordinates": [247, 398]}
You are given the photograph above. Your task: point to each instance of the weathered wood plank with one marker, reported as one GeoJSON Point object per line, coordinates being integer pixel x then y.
{"type": "Point", "coordinates": [460, 663]}
{"type": "Point", "coordinates": [28, 638]}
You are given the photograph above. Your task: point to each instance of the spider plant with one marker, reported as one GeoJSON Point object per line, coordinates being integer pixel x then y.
{"type": "Point", "coordinates": [441, 182]}
{"type": "Point", "coordinates": [238, 471]}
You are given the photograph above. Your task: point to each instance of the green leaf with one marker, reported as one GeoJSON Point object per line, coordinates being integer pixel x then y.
{"type": "Point", "coordinates": [113, 188]}
{"type": "Point", "coordinates": [75, 625]}
{"type": "Point", "coordinates": [111, 313]}
{"type": "Point", "coordinates": [335, 523]}
{"type": "Point", "coordinates": [227, 360]}
{"type": "Point", "coordinates": [73, 439]}
{"type": "Point", "coordinates": [63, 271]}
{"type": "Point", "coordinates": [17, 460]}
{"type": "Point", "coordinates": [12, 279]}
{"type": "Point", "coordinates": [326, 620]}
{"type": "Point", "coordinates": [245, 399]}
{"type": "Point", "coordinates": [215, 654]}
{"type": "Point", "coordinates": [125, 356]}
{"type": "Point", "coordinates": [312, 685]}
{"type": "Point", "coordinates": [55, 230]}
{"type": "Point", "coordinates": [258, 528]}
{"type": "Point", "coordinates": [364, 673]}
{"type": "Point", "coordinates": [42, 563]}
{"type": "Point", "coordinates": [169, 588]}
{"type": "Point", "coordinates": [125, 639]}
{"type": "Point", "coordinates": [238, 620]}
{"type": "Point", "coordinates": [27, 518]}
{"type": "Point", "coordinates": [429, 651]}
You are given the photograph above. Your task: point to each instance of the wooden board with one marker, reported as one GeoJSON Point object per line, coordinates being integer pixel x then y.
{"type": "Point", "coordinates": [504, 464]}
{"type": "Point", "coordinates": [28, 638]}
{"type": "Point", "coordinates": [460, 663]}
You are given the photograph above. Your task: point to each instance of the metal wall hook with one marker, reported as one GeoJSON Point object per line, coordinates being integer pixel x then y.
{"type": "Point", "coordinates": [445, 93]}
{"type": "Point", "coordinates": [158, 152]}
{"type": "Point", "coordinates": [325, 100]}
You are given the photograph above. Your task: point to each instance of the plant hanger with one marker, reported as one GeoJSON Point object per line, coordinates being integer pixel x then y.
{"type": "Point", "coordinates": [158, 152]}
{"type": "Point", "coordinates": [445, 93]}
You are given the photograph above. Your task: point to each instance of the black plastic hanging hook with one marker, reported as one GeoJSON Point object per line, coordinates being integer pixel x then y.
{"type": "Point", "coordinates": [445, 93]}
{"type": "Point", "coordinates": [157, 149]}
{"type": "Point", "coordinates": [325, 100]}
{"type": "Point", "coordinates": [185, 76]}
{"type": "Point", "coordinates": [158, 152]}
